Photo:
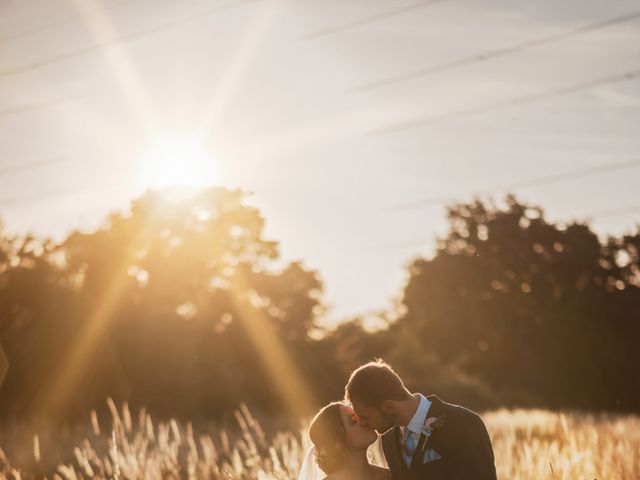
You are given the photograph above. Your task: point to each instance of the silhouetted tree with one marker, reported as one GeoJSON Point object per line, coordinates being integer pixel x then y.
{"type": "Point", "coordinates": [544, 314]}
{"type": "Point", "coordinates": [154, 307]}
{"type": "Point", "coordinates": [177, 304]}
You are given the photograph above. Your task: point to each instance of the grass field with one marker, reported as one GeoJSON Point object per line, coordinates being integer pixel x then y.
{"type": "Point", "coordinates": [529, 444]}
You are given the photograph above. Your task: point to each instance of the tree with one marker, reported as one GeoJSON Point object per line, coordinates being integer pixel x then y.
{"type": "Point", "coordinates": [544, 314]}
{"type": "Point", "coordinates": [160, 306]}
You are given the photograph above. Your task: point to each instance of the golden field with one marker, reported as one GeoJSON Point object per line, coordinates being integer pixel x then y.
{"type": "Point", "coordinates": [529, 444]}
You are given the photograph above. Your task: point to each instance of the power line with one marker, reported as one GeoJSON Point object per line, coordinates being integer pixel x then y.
{"type": "Point", "coordinates": [494, 53]}
{"type": "Point", "coordinates": [612, 212]}
{"type": "Point", "coordinates": [371, 19]}
{"type": "Point", "coordinates": [52, 103]}
{"type": "Point", "coordinates": [60, 192]}
{"type": "Point", "coordinates": [534, 182]}
{"type": "Point", "coordinates": [38, 105]}
{"type": "Point", "coordinates": [424, 242]}
{"type": "Point", "coordinates": [71, 18]}
{"type": "Point", "coordinates": [61, 21]}
{"type": "Point", "coordinates": [16, 168]}
{"type": "Point", "coordinates": [121, 39]}
{"type": "Point", "coordinates": [422, 122]}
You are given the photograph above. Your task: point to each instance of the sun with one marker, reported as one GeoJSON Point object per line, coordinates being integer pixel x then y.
{"type": "Point", "coordinates": [177, 160]}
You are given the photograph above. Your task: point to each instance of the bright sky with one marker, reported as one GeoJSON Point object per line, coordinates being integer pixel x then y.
{"type": "Point", "coordinates": [329, 111]}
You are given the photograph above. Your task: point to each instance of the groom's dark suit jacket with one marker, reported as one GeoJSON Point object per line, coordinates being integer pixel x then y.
{"type": "Point", "coordinates": [461, 440]}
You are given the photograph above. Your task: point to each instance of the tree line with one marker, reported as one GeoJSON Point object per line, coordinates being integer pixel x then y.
{"type": "Point", "coordinates": [181, 305]}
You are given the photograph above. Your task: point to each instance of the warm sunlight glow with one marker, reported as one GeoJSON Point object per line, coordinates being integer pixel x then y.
{"type": "Point", "coordinates": [177, 161]}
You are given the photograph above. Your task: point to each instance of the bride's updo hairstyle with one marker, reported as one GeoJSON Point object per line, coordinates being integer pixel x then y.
{"type": "Point", "coordinates": [327, 433]}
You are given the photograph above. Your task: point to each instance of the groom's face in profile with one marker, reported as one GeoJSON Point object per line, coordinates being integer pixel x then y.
{"type": "Point", "coordinates": [372, 417]}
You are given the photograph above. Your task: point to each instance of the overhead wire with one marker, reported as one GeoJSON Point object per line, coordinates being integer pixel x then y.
{"type": "Point", "coordinates": [61, 21]}
{"type": "Point", "coordinates": [424, 242]}
{"type": "Point", "coordinates": [371, 19]}
{"type": "Point", "coordinates": [400, 126]}
{"type": "Point", "coordinates": [120, 39]}
{"type": "Point", "coordinates": [565, 90]}
{"type": "Point", "coordinates": [22, 167]}
{"type": "Point", "coordinates": [500, 52]}
{"type": "Point", "coordinates": [532, 182]}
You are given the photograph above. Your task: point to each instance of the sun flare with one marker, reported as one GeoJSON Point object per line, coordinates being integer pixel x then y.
{"type": "Point", "coordinates": [178, 161]}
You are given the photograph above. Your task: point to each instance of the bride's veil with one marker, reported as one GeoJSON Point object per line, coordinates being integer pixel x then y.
{"type": "Point", "coordinates": [310, 469]}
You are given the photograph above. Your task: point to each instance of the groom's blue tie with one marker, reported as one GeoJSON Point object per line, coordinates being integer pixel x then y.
{"type": "Point", "coordinates": [410, 443]}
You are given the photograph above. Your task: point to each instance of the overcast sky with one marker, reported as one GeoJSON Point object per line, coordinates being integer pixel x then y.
{"type": "Point", "coordinates": [330, 111]}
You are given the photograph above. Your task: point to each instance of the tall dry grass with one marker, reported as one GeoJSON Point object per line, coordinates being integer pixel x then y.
{"type": "Point", "coordinates": [537, 444]}
{"type": "Point", "coordinates": [529, 444]}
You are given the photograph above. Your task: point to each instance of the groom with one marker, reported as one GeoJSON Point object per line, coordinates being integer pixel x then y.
{"type": "Point", "coordinates": [422, 437]}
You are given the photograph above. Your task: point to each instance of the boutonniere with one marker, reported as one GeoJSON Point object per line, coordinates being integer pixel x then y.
{"type": "Point", "coordinates": [432, 423]}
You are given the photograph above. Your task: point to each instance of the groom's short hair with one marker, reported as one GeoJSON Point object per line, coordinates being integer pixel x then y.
{"type": "Point", "coordinates": [373, 383]}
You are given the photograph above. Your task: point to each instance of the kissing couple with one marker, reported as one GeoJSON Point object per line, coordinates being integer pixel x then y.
{"type": "Point", "coordinates": [422, 436]}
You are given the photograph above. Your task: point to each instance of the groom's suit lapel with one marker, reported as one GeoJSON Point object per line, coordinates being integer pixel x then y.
{"type": "Point", "coordinates": [416, 459]}
{"type": "Point", "coordinates": [437, 410]}
{"type": "Point", "coordinates": [435, 441]}
{"type": "Point", "coordinates": [392, 446]}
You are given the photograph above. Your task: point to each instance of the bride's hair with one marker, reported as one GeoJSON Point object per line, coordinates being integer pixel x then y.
{"type": "Point", "coordinates": [327, 433]}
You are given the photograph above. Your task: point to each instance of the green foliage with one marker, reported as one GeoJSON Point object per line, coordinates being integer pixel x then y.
{"type": "Point", "coordinates": [161, 305]}
{"type": "Point", "coordinates": [537, 312]}
{"type": "Point", "coordinates": [160, 298]}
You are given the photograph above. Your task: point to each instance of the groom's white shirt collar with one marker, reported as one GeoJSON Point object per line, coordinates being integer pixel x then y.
{"type": "Point", "coordinates": [416, 424]}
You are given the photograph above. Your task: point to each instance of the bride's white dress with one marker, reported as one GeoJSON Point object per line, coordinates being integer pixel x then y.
{"type": "Point", "coordinates": [310, 469]}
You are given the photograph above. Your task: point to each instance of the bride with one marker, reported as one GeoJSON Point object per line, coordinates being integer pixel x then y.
{"type": "Point", "coordinates": [340, 447]}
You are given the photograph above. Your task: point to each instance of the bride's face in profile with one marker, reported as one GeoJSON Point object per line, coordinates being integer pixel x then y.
{"type": "Point", "coordinates": [356, 436]}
